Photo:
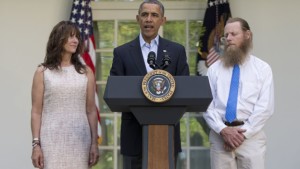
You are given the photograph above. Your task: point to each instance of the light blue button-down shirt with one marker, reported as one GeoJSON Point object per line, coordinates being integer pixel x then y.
{"type": "Point", "coordinates": [146, 48]}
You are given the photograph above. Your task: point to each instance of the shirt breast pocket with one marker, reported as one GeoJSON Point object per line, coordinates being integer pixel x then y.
{"type": "Point", "coordinates": [249, 92]}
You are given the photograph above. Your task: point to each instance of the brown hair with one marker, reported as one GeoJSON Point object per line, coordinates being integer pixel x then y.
{"type": "Point", "coordinates": [244, 26]}
{"type": "Point", "coordinates": [55, 46]}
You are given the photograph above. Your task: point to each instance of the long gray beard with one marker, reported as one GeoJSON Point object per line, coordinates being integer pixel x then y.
{"type": "Point", "coordinates": [234, 55]}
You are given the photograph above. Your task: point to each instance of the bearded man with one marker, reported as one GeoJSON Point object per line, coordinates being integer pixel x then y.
{"type": "Point", "coordinates": [243, 100]}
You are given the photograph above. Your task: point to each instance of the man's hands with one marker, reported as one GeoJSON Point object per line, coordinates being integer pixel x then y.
{"type": "Point", "coordinates": [233, 137]}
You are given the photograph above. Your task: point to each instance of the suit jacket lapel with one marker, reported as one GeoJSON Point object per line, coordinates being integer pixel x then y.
{"type": "Point", "coordinates": [137, 54]}
{"type": "Point", "coordinates": [160, 50]}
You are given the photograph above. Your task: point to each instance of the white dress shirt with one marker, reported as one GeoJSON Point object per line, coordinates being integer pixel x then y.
{"type": "Point", "coordinates": [146, 48]}
{"type": "Point", "coordinates": [255, 102]}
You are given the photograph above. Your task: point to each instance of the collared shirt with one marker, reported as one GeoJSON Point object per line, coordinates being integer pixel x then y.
{"type": "Point", "coordinates": [255, 95]}
{"type": "Point", "coordinates": [146, 48]}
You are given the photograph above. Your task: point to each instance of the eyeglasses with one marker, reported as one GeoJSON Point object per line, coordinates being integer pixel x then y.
{"type": "Point", "coordinates": [223, 39]}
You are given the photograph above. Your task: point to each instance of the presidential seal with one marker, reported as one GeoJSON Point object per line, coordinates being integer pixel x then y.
{"type": "Point", "coordinates": [158, 86]}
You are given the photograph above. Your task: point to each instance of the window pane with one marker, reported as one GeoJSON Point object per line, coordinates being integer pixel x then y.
{"type": "Point", "coordinates": [106, 160]}
{"type": "Point", "coordinates": [200, 159]}
{"type": "Point", "coordinates": [103, 106]}
{"type": "Point", "coordinates": [182, 160]}
{"type": "Point", "coordinates": [183, 131]}
{"type": "Point", "coordinates": [127, 31]}
{"type": "Point", "coordinates": [103, 64]}
{"type": "Point", "coordinates": [104, 34]}
{"type": "Point", "coordinates": [198, 131]}
{"type": "Point", "coordinates": [195, 29]}
{"type": "Point", "coordinates": [176, 35]}
{"type": "Point", "coordinates": [192, 62]}
{"type": "Point", "coordinates": [107, 126]}
{"type": "Point", "coordinates": [118, 123]}
{"type": "Point", "coordinates": [120, 160]}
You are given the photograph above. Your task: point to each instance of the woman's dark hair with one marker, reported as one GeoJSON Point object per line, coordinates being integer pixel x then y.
{"type": "Point", "coordinates": [55, 46]}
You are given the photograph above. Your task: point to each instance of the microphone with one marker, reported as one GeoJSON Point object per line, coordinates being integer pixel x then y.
{"type": "Point", "coordinates": [166, 61]}
{"type": "Point", "coordinates": [151, 60]}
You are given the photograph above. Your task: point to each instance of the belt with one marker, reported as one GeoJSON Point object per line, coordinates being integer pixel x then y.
{"type": "Point", "coordinates": [234, 123]}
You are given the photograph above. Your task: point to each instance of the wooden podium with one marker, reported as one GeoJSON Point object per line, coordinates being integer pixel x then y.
{"type": "Point", "coordinates": [124, 94]}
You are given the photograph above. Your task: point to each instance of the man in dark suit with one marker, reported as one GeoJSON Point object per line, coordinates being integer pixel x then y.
{"type": "Point", "coordinates": [130, 59]}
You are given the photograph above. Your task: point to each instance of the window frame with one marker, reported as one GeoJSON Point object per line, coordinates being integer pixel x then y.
{"type": "Point", "coordinates": [174, 10]}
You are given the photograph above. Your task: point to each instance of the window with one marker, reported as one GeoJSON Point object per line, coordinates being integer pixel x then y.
{"type": "Point", "coordinates": [114, 25]}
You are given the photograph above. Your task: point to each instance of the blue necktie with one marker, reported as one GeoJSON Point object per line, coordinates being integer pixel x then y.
{"type": "Point", "coordinates": [230, 115]}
